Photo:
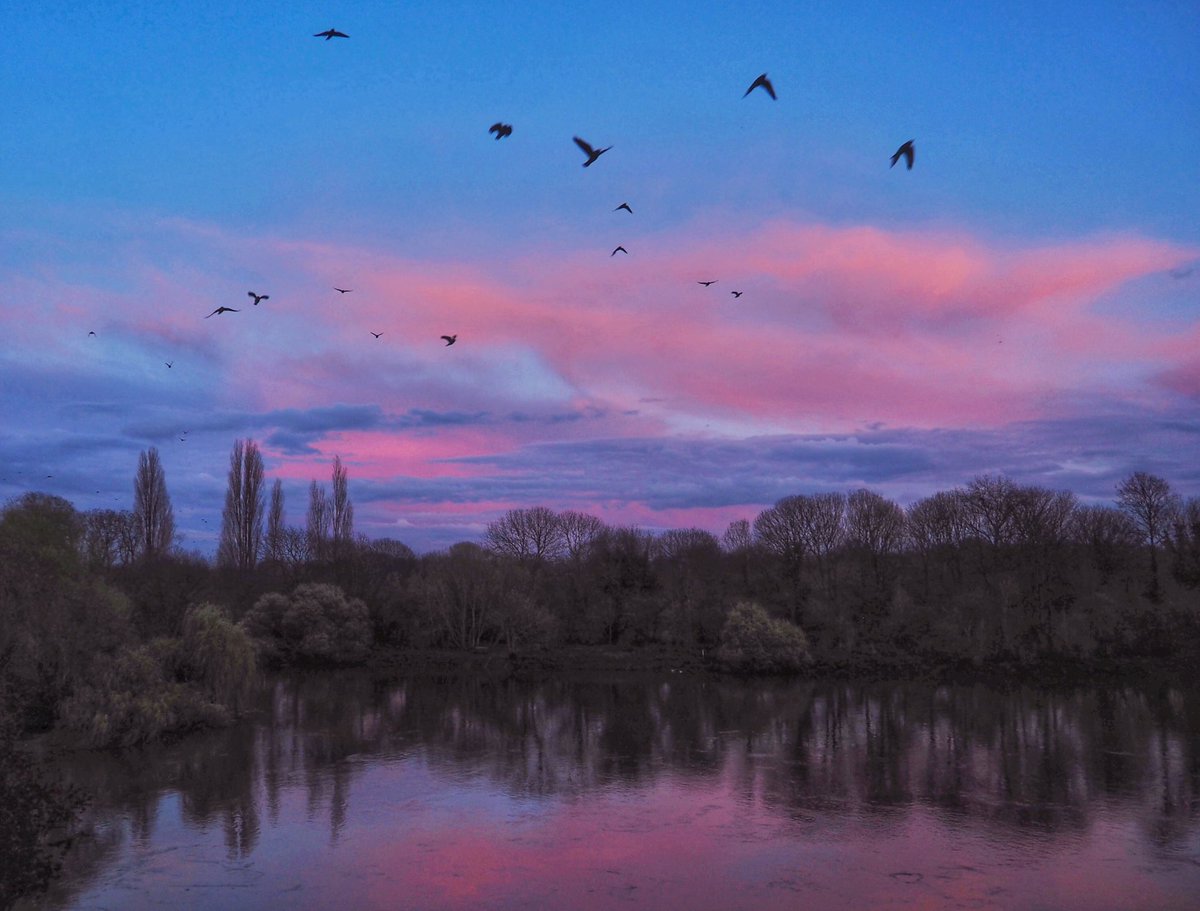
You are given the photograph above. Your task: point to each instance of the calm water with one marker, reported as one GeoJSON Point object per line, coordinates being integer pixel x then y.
{"type": "Point", "coordinates": [669, 793]}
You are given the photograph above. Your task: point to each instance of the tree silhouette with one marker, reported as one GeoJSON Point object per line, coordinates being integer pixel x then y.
{"type": "Point", "coordinates": [274, 542]}
{"type": "Point", "coordinates": [242, 518]}
{"type": "Point", "coordinates": [1150, 503]}
{"type": "Point", "coordinates": [153, 516]}
{"type": "Point", "coordinates": [342, 511]}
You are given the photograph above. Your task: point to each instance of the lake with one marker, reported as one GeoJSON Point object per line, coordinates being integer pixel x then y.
{"type": "Point", "coordinates": [345, 791]}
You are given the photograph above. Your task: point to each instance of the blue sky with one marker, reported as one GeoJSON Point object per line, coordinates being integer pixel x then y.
{"type": "Point", "coordinates": [1025, 292]}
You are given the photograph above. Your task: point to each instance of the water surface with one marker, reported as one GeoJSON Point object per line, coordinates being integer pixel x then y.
{"type": "Point", "coordinates": [348, 792]}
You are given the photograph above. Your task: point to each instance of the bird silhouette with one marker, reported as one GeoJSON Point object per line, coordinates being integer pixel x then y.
{"type": "Point", "coordinates": [330, 33]}
{"type": "Point", "coordinates": [624, 206]}
{"type": "Point", "coordinates": [343, 290]}
{"type": "Point", "coordinates": [258, 297]}
{"type": "Point", "coordinates": [737, 293]}
{"type": "Point", "coordinates": [91, 334]}
{"type": "Point", "coordinates": [221, 310]}
{"type": "Point", "coordinates": [907, 151]}
{"type": "Point", "coordinates": [764, 82]}
{"type": "Point", "coordinates": [500, 129]}
{"type": "Point", "coordinates": [376, 334]}
{"type": "Point", "coordinates": [619, 250]}
{"type": "Point", "coordinates": [450, 339]}
{"type": "Point", "coordinates": [169, 364]}
{"type": "Point", "coordinates": [706, 284]}
{"type": "Point", "coordinates": [592, 154]}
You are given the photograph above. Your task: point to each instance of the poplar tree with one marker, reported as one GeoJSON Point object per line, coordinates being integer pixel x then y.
{"type": "Point", "coordinates": [153, 517]}
{"type": "Point", "coordinates": [275, 527]}
{"type": "Point", "coordinates": [242, 518]}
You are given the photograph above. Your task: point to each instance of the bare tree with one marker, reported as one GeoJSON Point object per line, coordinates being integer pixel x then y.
{"type": "Point", "coordinates": [821, 521]}
{"type": "Point", "coordinates": [294, 546]}
{"type": "Point", "coordinates": [153, 517]}
{"type": "Point", "coordinates": [1152, 505]}
{"type": "Point", "coordinates": [781, 532]}
{"type": "Point", "coordinates": [317, 527]}
{"type": "Point", "coordinates": [738, 542]}
{"type": "Point", "coordinates": [1108, 533]}
{"type": "Point", "coordinates": [107, 537]}
{"type": "Point", "coordinates": [991, 502]}
{"type": "Point", "coordinates": [579, 532]}
{"type": "Point", "coordinates": [875, 526]}
{"type": "Point", "coordinates": [242, 518]}
{"type": "Point", "coordinates": [737, 538]}
{"type": "Point", "coordinates": [275, 526]}
{"type": "Point", "coordinates": [342, 516]}
{"type": "Point", "coordinates": [527, 534]}
{"type": "Point", "coordinates": [936, 527]}
{"type": "Point", "coordinates": [1185, 544]}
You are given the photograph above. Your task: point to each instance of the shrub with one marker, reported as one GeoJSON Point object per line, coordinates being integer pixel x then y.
{"type": "Point", "coordinates": [315, 623]}
{"type": "Point", "coordinates": [34, 808]}
{"type": "Point", "coordinates": [130, 701]}
{"type": "Point", "coordinates": [754, 643]}
{"type": "Point", "coordinates": [218, 655]}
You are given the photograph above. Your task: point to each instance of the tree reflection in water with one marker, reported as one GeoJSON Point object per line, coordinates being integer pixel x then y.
{"type": "Point", "coordinates": [1021, 760]}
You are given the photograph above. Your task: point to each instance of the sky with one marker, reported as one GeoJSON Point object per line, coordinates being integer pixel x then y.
{"type": "Point", "coordinates": [1025, 300]}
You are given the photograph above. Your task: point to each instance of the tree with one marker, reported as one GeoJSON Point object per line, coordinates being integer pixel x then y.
{"type": "Point", "coordinates": [1109, 535]}
{"type": "Point", "coordinates": [153, 516]}
{"type": "Point", "coordinates": [342, 510]}
{"type": "Point", "coordinates": [579, 532]}
{"type": "Point", "coordinates": [317, 528]}
{"type": "Point", "coordinates": [108, 536]}
{"type": "Point", "coordinates": [1149, 501]}
{"type": "Point", "coordinates": [274, 543]}
{"type": "Point", "coordinates": [875, 527]}
{"type": "Point", "coordinates": [459, 591]}
{"type": "Point", "coordinates": [752, 642]}
{"type": "Point", "coordinates": [737, 538]}
{"type": "Point", "coordinates": [242, 518]}
{"type": "Point", "coordinates": [315, 623]}
{"type": "Point", "coordinates": [780, 531]}
{"type": "Point", "coordinates": [528, 535]}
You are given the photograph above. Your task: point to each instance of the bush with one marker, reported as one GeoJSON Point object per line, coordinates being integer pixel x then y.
{"type": "Point", "coordinates": [218, 655]}
{"type": "Point", "coordinates": [34, 808]}
{"type": "Point", "coordinates": [754, 643]}
{"type": "Point", "coordinates": [315, 623]}
{"type": "Point", "coordinates": [131, 701]}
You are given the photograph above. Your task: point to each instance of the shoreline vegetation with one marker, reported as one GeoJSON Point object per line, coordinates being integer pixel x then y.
{"type": "Point", "coordinates": [111, 631]}
{"type": "Point", "coordinates": [112, 635]}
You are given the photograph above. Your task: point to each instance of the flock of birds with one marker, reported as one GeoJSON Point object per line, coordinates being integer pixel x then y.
{"type": "Point", "coordinates": [502, 130]}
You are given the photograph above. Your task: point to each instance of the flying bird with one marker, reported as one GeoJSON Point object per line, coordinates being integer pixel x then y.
{"type": "Point", "coordinates": [624, 206]}
{"type": "Point", "coordinates": [591, 153]}
{"type": "Point", "coordinates": [450, 339]}
{"type": "Point", "coordinates": [764, 82]}
{"type": "Point", "coordinates": [619, 250]}
{"type": "Point", "coordinates": [330, 33]}
{"type": "Point", "coordinates": [907, 151]}
{"type": "Point", "coordinates": [91, 333]}
{"type": "Point", "coordinates": [376, 334]}
{"type": "Point", "coordinates": [500, 129]}
{"type": "Point", "coordinates": [258, 297]}
{"type": "Point", "coordinates": [737, 293]}
{"type": "Point", "coordinates": [169, 364]}
{"type": "Point", "coordinates": [221, 310]}
{"type": "Point", "coordinates": [706, 284]}
{"type": "Point", "coordinates": [343, 290]}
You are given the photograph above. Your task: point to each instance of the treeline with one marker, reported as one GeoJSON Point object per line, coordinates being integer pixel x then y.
{"type": "Point", "coordinates": [989, 572]}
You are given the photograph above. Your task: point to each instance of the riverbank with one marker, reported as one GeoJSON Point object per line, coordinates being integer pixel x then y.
{"type": "Point", "coordinates": [499, 662]}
